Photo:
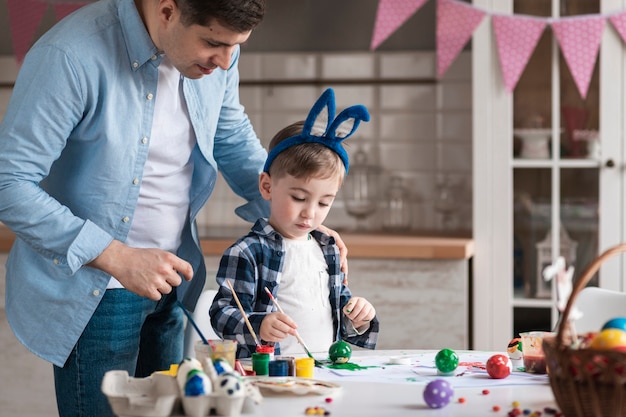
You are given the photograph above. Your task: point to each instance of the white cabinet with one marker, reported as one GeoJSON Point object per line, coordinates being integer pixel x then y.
{"type": "Point", "coordinates": [555, 199]}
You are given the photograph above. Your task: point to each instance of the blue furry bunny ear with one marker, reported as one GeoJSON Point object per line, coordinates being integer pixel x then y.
{"type": "Point", "coordinates": [322, 127]}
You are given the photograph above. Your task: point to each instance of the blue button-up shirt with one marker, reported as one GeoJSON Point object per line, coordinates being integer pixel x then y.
{"type": "Point", "coordinates": [73, 144]}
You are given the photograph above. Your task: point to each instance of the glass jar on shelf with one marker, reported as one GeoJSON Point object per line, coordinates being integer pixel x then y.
{"type": "Point", "coordinates": [397, 207]}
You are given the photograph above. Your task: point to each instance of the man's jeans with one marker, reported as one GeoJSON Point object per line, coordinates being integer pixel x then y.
{"type": "Point", "coordinates": [126, 332]}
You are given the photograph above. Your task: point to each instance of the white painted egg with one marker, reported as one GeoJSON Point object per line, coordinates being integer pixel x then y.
{"type": "Point", "coordinates": [229, 384]}
{"type": "Point", "coordinates": [198, 383]}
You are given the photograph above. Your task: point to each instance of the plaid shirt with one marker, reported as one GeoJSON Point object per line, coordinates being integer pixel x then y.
{"type": "Point", "coordinates": [256, 261]}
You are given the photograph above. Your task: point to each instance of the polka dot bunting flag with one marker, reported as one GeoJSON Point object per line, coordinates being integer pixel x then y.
{"type": "Point", "coordinates": [456, 22]}
{"type": "Point", "coordinates": [391, 14]}
{"type": "Point", "coordinates": [619, 23]}
{"type": "Point", "coordinates": [579, 38]}
{"type": "Point", "coordinates": [516, 38]}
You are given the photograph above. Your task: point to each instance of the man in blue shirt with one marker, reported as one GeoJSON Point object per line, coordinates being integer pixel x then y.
{"type": "Point", "coordinates": [120, 118]}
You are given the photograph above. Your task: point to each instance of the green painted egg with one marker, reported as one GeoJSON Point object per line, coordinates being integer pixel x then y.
{"type": "Point", "coordinates": [339, 352]}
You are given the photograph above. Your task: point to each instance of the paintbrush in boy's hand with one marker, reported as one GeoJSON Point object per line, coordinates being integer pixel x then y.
{"type": "Point", "coordinates": [243, 313]}
{"type": "Point", "coordinates": [306, 349]}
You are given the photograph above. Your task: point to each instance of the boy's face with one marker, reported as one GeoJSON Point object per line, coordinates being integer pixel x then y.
{"type": "Point", "coordinates": [298, 206]}
{"type": "Point", "coordinates": [195, 50]}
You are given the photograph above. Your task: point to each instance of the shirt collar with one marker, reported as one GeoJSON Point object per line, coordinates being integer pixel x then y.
{"type": "Point", "coordinates": [139, 45]}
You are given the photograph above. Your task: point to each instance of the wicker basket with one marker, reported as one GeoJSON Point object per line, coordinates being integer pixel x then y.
{"type": "Point", "coordinates": [586, 382]}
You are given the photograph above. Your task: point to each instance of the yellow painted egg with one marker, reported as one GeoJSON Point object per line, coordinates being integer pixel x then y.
{"type": "Point", "coordinates": [609, 339]}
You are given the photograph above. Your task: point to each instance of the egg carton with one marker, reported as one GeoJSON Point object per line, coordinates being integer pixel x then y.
{"type": "Point", "coordinates": [159, 396]}
{"type": "Point", "coordinates": [204, 405]}
{"type": "Point", "coordinates": [155, 396]}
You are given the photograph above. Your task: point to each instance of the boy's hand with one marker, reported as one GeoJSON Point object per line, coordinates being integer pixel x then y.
{"type": "Point", "coordinates": [275, 327]}
{"type": "Point", "coordinates": [359, 311]}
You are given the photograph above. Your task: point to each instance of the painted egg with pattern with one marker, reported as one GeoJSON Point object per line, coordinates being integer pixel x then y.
{"type": "Point", "coordinates": [340, 352]}
{"type": "Point", "coordinates": [446, 361]}
{"type": "Point", "coordinates": [616, 323]}
{"type": "Point", "coordinates": [610, 339]}
{"type": "Point", "coordinates": [499, 366]}
{"type": "Point", "coordinates": [438, 393]}
{"type": "Point", "coordinates": [198, 383]}
{"type": "Point", "coordinates": [229, 384]}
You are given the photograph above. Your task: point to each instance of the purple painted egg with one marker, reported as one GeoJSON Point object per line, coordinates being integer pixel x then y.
{"type": "Point", "coordinates": [438, 393]}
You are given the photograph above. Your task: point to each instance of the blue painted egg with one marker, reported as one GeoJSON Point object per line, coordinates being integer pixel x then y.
{"type": "Point", "coordinates": [438, 393]}
{"type": "Point", "coordinates": [198, 383]}
{"type": "Point", "coordinates": [615, 323]}
{"type": "Point", "coordinates": [222, 366]}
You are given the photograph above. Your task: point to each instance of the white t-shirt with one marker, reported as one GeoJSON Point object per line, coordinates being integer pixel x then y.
{"type": "Point", "coordinates": [163, 204]}
{"type": "Point", "coordinates": [304, 295]}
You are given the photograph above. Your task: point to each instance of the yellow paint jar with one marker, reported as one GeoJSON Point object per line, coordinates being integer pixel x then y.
{"type": "Point", "coordinates": [305, 367]}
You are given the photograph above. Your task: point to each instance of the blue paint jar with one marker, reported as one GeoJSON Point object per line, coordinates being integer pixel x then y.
{"type": "Point", "coordinates": [278, 368]}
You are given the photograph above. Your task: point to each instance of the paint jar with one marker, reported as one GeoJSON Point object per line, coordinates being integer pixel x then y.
{"type": "Point", "coordinates": [291, 361]}
{"type": "Point", "coordinates": [532, 349]}
{"type": "Point", "coordinates": [269, 349]}
{"type": "Point", "coordinates": [218, 348]}
{"type": "Point", "coordinates": [260, 363]}
{"type": "Point", "coordinates": [305, 367]}
{"type": "Point", "coordinates": [278, 368]}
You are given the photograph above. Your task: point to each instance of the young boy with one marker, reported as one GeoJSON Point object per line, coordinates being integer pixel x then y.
{"type": "Point", "coordinates": [297, 263]}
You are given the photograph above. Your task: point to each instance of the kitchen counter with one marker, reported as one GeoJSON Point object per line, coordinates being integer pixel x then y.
{"type": "Point", "coordinates": [373, 245]}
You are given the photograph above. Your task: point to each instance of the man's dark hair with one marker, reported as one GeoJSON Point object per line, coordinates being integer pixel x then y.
{"type": "Point", "coordinates": [239, 15]}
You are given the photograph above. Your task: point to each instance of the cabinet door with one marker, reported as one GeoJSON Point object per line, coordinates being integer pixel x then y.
{"type": "Point", "coordinates": [553, 186]}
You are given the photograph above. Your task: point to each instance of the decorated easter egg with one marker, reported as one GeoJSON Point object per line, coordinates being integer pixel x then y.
{"type": "Point", "coordinates": [221, 365]}
{"type": "Point", "coordinates": [198, 383]}
{"type": "Point", "coordinates": [186, 366]}
{"type": "Point", "coordinates": [438, 393]}
{"type": "Point", "coordinates": [229, 384]}
{"type": "Point", "coordinates": [616, 323]}
{"type": "Point", "coordinates": [514, 349]}
{"type": "Point", "coordinates": [340, 352]}
{"type": "Point", "coordinates": [609, 339]}
{"type": "Point", "coordinates": [499, 366]}
{"type": "Point", "coordinates": [446, 361]}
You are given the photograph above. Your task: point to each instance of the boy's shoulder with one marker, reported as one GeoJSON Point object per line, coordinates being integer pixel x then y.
{"type": "Point", "coordinates": [262, 233]}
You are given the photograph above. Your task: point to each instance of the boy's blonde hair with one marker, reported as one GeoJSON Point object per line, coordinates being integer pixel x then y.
{"type": "Point", "coordinates": [306, 160]}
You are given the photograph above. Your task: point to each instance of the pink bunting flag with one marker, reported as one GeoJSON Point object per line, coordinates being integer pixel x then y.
{"type": "Point", "coordinates": [61, 10]}
{"type": "Point", "coordinates": [456, 22]}
{"type": "Point", "coordinates": [516, 38]}
{"type": "Point", "coordinates": [391, 14]}
{"type": "Point", "coordinates": [579, 38]}
{"type": "Point", "coordinates": [619, 23]}
{"type": "Point", "coordinates": [24, 18]}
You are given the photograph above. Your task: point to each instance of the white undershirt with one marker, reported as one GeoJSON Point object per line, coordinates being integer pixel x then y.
{"type": "Point", "coordinates": [304, 295]}
{"type": "Point", "coordinates": [163, 204]}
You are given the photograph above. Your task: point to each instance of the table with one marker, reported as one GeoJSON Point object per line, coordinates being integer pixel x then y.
{"type": "Point", "coordinates": [380, 396]}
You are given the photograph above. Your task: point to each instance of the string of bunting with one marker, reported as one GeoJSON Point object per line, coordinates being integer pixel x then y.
{"type": "Point", "coordinates": [516, 36]}
{"type": "Point", "coordinates": [578, 37]}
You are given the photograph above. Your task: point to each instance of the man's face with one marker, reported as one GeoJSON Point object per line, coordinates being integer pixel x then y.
{"type": "Point", "coordinates": [195, 50]}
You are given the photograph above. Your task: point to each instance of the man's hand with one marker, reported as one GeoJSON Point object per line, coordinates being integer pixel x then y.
{"type": "Point", "coordinates": [146, 272]}
{"type": "Point", "coordinates": [343, 251]}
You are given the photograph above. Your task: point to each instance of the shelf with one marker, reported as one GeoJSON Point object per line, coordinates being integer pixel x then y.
{"type": "Point", "coordinates": [549, 163]}
{"type": "Point", "coordinates": [533, 302]}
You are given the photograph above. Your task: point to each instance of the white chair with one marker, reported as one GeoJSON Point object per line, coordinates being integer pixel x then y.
{"type": "Point", "coordinates": [201, 318]}
{"type": "Point", "coordinates": [598, 306]}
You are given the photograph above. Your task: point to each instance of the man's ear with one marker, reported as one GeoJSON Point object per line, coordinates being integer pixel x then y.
{"type": "Point", "coordinates": [265, 186]}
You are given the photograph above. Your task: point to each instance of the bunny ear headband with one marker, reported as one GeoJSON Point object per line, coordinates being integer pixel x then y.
{"type": "Point", "coordinates": [334, 130]}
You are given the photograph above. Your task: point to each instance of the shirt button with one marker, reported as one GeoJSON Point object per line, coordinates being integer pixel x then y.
{"type": "Point", "coordinates": [96, 292]}
{"type": "Point", "coordinates": [150, 96]}
{"type": "Point", "coordinates": [144, 140]}
{"type": "Point", "coordinates": [153, 57]}
{"type": "Point", "coordinates": [135, 64]}
{"type": "Point", "coordinates": [55, 261]}
{"type": "Point", "coordinates": [126, 219]}
{"type": "Point", "coordinates": [136, 181]}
